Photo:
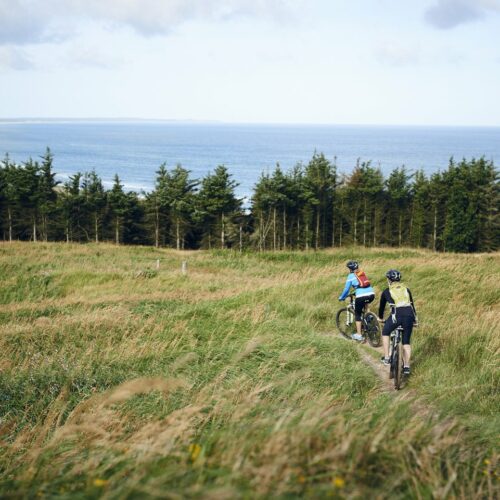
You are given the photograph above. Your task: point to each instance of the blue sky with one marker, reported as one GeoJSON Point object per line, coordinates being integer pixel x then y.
{"type": "Point", "coordinates": [431, 62]}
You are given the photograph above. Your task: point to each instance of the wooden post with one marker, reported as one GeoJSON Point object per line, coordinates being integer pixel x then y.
{"type": "Point", "coordinates": [157, 263]}
{"type": "Point", "coordinates": [184, 267]}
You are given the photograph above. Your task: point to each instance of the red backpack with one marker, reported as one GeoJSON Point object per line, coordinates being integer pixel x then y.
{"type": "Point", "coordinates": [364, 282]}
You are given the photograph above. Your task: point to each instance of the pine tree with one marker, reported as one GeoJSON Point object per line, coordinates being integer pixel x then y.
{"type": "Point", "coordinates": [95, 202]}
{"type": "Point", "coordinates": [70, 203]}
{"type": "Point", "coordinates": [47, 196]}
{"type": "Point", "coordinates": [262, 203]}
{"type": "Point", "coordinates": [27, 182]}
{"type": "Point", "coordinates": [420, 209]}
{"type": "Point", "coordinates": [217, 204]}
{"type": "Point", "coordinates": [399, 191]}
{"type": "Point", "coordinates": [179, 200]}
{"type": "Point", "coordinates": [438, 191]}
{"type": "Point", "coordinates": [117, 207]}
{"type": "Point", "coordinates": [321, 177]}
{"type": "Point", "coordinates": [9, 192]}
{"type": "Point", "coordinates": [156, 206]}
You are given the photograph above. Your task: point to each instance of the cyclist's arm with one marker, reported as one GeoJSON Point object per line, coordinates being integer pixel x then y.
{"type": "Point", "coordinates": [383, 302]}
{"type": "Point", "coordinates": [347, 287]}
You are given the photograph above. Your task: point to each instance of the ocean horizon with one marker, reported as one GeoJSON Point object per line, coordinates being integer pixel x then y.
{"type": "Point", "coordinates": [134, 149]}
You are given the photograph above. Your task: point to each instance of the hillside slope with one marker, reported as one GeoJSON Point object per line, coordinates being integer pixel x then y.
{"type": "Point", "coordinates": [124, 380]}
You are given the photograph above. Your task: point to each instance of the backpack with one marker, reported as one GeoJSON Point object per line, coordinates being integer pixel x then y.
{"type": "Point", "coordinates": [399, 294]}
{"type": "Point", "coordinates": [364, 282]}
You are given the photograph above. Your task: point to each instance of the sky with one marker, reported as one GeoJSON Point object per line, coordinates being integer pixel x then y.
{"type": "Point", "coordinates": [398, 62]}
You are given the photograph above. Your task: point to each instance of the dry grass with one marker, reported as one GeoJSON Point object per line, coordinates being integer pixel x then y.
{"type": "Point", "coordinates": [223, 383]}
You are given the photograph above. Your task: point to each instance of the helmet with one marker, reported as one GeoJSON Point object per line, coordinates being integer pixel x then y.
{"type": "Point", "coordinates": [352, 265]}
{"type": "Point", "coordinates": [393, 275]}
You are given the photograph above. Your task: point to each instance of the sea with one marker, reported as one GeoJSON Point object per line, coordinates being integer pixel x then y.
{"type": "Point", "coordinates": [135, 149]}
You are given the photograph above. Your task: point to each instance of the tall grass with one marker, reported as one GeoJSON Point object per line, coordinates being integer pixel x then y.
{"type": "Point", "coordinates": [122, 380]}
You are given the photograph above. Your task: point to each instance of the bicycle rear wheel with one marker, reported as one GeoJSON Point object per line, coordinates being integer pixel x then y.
{"type": "Point", "coordinates": [398, 368]}
{"type": "Point", "coordinates": [372, 329]}
{"type": "Point", "coordinates": [391, 365]}
{"type": "Point", "coordinates": [345, 322]}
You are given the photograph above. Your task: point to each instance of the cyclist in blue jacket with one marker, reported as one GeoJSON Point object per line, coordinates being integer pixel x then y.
{"type": "Point", "coordinates": [364, 295]}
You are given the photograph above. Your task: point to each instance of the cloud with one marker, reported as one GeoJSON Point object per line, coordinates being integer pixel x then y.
{"type": "Point", "coordinates": [14, 58]}
{"type": "Point", "coordinates": [35, 21]}
{"type": "Point", "coordinates": [396, 55]}
{"type": "Point", "coordinates": [92, 57]}
{"type": "Point", "coordinates": [447, 14]}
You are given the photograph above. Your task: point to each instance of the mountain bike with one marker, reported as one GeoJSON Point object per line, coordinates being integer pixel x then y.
{"type": "Point", "coordinates": [346, 323]}
{"type": "Point", "coordinates": [396, 357]}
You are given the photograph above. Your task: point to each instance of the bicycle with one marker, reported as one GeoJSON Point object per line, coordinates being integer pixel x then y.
{"type": "Point", "coordinates": [396, 357]}
{"type": "Point", "coordinates": [346, 323]}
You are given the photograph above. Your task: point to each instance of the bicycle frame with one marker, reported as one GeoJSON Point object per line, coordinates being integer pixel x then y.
{"type": "Point", "coordinates": [350, 308]}
{"type": "Point", "coordinates": [395, 370]}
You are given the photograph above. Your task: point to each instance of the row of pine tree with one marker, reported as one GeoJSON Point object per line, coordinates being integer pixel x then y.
{"type": "Point", "coordinates": [309, 206]}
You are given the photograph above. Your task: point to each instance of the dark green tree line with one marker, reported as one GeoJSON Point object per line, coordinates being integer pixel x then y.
{"type": "Point", "coordinates": [307, 207]}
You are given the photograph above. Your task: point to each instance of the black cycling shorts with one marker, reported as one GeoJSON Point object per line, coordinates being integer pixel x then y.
{"type": "Point", "coordinates": [405, 321]}
{"type": "Point", "coordinates": [359, 305]}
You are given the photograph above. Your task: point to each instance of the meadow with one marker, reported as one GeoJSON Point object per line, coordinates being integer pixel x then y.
{"type": "Point", "coordinates": [121, 379]}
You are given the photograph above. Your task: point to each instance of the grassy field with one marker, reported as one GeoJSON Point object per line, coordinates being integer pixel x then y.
{"type": "Point", "coordinates": [120, 380]}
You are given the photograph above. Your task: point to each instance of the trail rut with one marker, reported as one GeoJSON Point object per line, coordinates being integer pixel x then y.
{"type": "Point", "coordinates": [386, 385]}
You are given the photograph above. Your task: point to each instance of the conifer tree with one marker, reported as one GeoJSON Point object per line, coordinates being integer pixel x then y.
{"type": "Point", "coordinates": [95, 202]}
{"type": "Point", "coordinates": [262, 202]}
{"type": "Point", "coordinates": [28, 196]}
{"type": "Point", "coordinates": [70, 203]}
{"type": "Point", "coordinates": [420, 209]}
{"type": "Point", "coordinates": [438, 191]}
{"type": "Point", "coordinates": [399, 190]}
{"type": "Point", "coordinates": [217, 204]}
{"type": "Point", "coordinates": [156, 206]}
{"type": "Point", "coordinates": [117, 207]}
{"type": "Point", "coordinates": [179, 200]}
{"type": "Point", "coordinates": [47, 195]}
{"type": "Point", "coordinates": [10, 192]}
{"type": "Point", "coordinates": [321, 178]}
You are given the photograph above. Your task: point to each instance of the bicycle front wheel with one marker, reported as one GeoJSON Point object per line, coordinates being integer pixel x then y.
{"type": "Point", "coordinates": [345, 322]}
{"type": "Point", "coordinates": [398, 368]}
{"type": "Point", "coordinates": [372, 329]}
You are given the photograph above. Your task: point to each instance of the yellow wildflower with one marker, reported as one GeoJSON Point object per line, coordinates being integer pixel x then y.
{"type": "Point", "coordinates": [100, 482]}
{"type": "Point", "coordinates": [301, 479]}
{"type": "Point", "coordinates": [195, 450]}
{"type": "Point", "coordinates": [338, 482]}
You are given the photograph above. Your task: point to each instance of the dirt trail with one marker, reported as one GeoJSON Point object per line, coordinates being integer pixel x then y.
{"type": "Point", "coordinates": [380, 370]}
{"type": "Point", "coordinates": [387, 385]}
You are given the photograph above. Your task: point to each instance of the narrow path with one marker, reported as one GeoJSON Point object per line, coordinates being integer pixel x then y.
{"type": "Point", "coordinates": [387, 385]}
{"type": "Point", "coordinates": [380, 370]}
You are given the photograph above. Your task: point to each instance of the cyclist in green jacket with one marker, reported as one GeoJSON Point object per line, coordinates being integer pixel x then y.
{"type": "Point", "coordinates": [403, 313]}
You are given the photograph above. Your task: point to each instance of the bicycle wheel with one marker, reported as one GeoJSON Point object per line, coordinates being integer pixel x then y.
{"type": "Point", "coordinates": [391, 365]}
{"type": "Point", "coordinates": [398, 367]}
{"type": "Point", "coordinates": [345, 322]}
{"type": "Point", "coordinates": [372, 329]}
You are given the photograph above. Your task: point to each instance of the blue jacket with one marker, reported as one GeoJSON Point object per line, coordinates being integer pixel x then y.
{"type": "Point", "coordinates": [353, 281]}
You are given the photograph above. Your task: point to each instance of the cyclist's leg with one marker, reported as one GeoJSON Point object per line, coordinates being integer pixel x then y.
{"type": "Point", "coordinates": [359, 304]}
{"type": "Point", "coordinates": [368, 301]}
{"type": "Point", "coordinates": [407, 323]}
{"type": "Point", "coordinates": [389, 327]}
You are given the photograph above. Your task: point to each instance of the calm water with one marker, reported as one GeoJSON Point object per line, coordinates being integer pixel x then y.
{"type": "Point", "coordinates": [135, 150]}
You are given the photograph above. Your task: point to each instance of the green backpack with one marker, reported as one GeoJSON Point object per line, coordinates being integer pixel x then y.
{"type": "Point", "coordinates": [399, 294]}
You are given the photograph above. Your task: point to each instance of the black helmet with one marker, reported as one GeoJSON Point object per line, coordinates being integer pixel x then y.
{"type": "Point", "coordinates": [393, 275]}
{"type": "Point", "coordinates": [352, 265]}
